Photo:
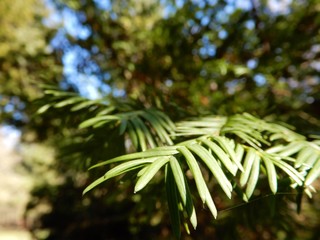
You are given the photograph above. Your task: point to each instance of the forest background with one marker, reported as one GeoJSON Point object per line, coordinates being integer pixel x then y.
{"type": "Point", "coordinates": [187, 58]}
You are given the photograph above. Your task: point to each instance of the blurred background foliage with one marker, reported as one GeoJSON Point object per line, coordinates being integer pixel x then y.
{"type": "Point", "coordinates": [185, 57]}
{"type": "Point", "coordinates": [25, 59]}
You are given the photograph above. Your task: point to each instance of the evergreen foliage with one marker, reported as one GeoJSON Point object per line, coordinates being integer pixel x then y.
{"type": "Point", "coordinates": [190, 118]}
{"type": "Point", "coordinates": [236, 152]}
